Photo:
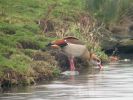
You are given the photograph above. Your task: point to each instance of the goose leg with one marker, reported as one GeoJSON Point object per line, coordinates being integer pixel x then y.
{"type": "Point", "coordinates": [72, 66]}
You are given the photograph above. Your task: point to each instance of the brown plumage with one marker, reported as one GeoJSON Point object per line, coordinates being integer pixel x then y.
{"type": "Point", "coordinates": [73, 40]}
{"type": "Point", "coordinates": [73, 47]}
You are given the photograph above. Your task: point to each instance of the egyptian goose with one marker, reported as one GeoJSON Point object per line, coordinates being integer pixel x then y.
{"type": "Point", "coordinates": [73, 47]}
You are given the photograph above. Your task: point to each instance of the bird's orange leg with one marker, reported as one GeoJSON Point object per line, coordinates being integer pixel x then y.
{"type": "Point", "coordinates": [72, 66]}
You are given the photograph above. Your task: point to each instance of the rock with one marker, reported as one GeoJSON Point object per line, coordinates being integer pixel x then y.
{"type": "Point", "coordinates": [125, 46]}
{"type": "Point", "coordinates": [123, 43]}
{"type": "Point", "coordinates": [121, 35]}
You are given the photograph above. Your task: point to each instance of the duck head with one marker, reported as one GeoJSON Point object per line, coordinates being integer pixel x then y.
{"type": "Point", "coordinates": [96, 61]}
{"type": "Point", "coordinates": [57, 43]}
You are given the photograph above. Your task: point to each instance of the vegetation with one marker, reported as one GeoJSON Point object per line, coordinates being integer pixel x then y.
{"type": "Point", "coordinates": [109, 10]}
{"type": "Point", "coordinates": [26, 26]}
{"type": "Point", "coordinates": [21, 37]}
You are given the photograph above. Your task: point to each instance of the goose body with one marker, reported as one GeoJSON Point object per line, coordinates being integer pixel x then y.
{"type": "Point", "coordinates": [75, 50]}
{"type": "Point", "coordinates": [73, 47]}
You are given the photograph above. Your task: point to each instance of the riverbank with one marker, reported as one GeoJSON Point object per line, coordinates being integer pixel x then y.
{"type": "Point", "coordinates": [28, 25]}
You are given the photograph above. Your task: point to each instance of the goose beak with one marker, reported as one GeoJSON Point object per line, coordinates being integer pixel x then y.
{"type": "Point", "coordinates": [100, 65]}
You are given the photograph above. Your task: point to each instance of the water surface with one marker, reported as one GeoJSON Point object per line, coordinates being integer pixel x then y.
{"type": "Point", "coordinates": [114, 82]}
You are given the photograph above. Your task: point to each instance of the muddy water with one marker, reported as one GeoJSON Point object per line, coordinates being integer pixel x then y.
{"type": "Point", "coordinates": [114, 82]}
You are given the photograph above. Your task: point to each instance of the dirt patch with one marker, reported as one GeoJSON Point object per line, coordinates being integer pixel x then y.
{"type": "Point", "coordinates": [42, 67]}
{"type": "Point", "coordinates": [27, 44]}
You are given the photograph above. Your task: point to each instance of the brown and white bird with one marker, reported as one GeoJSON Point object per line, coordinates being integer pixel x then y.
{"type": "Point", "coordinates": [73, 47]}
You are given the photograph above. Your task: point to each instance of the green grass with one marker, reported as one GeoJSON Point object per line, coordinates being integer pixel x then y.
{"type": "Point", "coordinates": [18, 30]}
{"type": "Point", "coordinates": [20, 36]}
{"type": "Point", "coordinates": [108, 11]}
{"type": "Point", "coordinates": [17, 25]}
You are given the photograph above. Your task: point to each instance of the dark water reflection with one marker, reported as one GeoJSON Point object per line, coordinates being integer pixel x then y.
{"type": "Point", "coordinates": [115, 82]}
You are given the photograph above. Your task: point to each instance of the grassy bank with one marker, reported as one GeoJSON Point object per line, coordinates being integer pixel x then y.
{"type": "Point", "coordinates": [21, 40]}
{"type": "Point", "coordinates": [26, 26]}
{"type": "Point", "coordinates": [110, 12]}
